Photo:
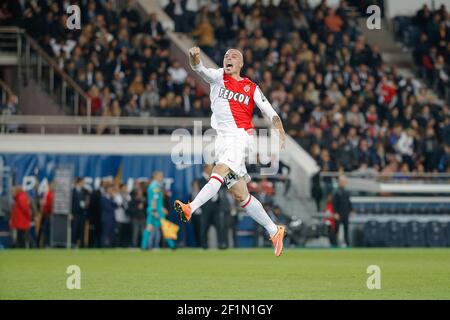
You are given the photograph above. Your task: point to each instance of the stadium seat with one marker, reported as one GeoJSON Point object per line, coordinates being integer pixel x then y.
{"type": "Point", "coordinates": [424, 208]}
{"type": "Point", "coordinates": [246, 232]}
{"type": "Point", "coordinates": [369, 208]}
{"type": "Point", "coordinates": [394, 235]}
{"type": "Point", "coordinates": [447, 233]}
{"type": "Point", "coordinates": [415, 234]}
{"type": "Point", "coordinates": [377, 208]}
{"type": "Point", "coordinates": [391, 208]}
{"type": "Point", "coordinates": [359, 208]}
{"type": "Point", "coordinates": [447, 208]}
{"type": "Point", "coordinates": [436, 234]}
{"type": "Point", "coordinates": [373, 234]}
{"type": "Point", "coordinates": [406, 208]}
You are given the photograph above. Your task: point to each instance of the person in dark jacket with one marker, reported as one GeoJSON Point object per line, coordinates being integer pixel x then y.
{"type": "Point", "coordinates": [79, 206]}
{"type": "Point", "coordinates": [137, 213]}
{"type": "Point", "coordinates": [176, 9]}
{"type": "Point", "coordinates": [153, 28]}
{"type": "Point", "coordinates": [108, 206]}
{"type": "Point", "coordinates": [342, 207]}
{"type": "Point", "coordinates": [95, 216]}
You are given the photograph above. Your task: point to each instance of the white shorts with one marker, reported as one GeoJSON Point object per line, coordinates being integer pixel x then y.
{"type": "Point", "coordinates": [232, 150]}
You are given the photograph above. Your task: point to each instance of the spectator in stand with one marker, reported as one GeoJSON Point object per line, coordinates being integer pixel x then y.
{"type": "Point", "coordinates": [204, 33]}
{"type": "Point", "coordinates": [176, 9]}
{"type": "Point", "coordinates": [178, 74]}
{"type": "Point", "coordinates": [10, 11]}
{"type": "Point", "coordinates": [432, 42]}
{"type": "Point", "coordinates": [96, 101]}
{"type": "Point", "coordinates": [136, 87]}
{"type": "Point", "coordinates": [11, 108]}
{"type": "Point", "coordinates": [405, 146]}
{"type": "Point", "coordinates": [132, 16]}
{"type": "Point", "coordinates": [154, 28]}
{"type": "Point", "coordinates": [20, 221]}
{"type": "Point", "coordinates": [148, 101]}
{"type": "Point", "coordinates": [444, 162]}
{"type": "Point", "coordinates": [333, 22]}
{"type": "Point", "coordinates": [235, 20]}
{"type": "Point", "coordinates": [131, 108]}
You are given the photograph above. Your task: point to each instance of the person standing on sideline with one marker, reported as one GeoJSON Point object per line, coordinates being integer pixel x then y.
{"type": "Point", "coordinates": [20, 220]}
{"type": "Point", "coordinates": [79, 205]}
{"type": "Point", "coordinates": [331, 220]}
{"type": "Point", "coordinates": [47, 210]}
{"type": "Point", "coordinates": [342, 207]}
{"type": "Point", "coordinates": [136, 211]}
{"type": "Point", "coordinates": [123, 234]}
{"type": "Point", "coordinates": [95, 216]}
{"type": "Point", "coordinates": [152, 233]}
{"type": "Point", "coordinates": [108, 208]}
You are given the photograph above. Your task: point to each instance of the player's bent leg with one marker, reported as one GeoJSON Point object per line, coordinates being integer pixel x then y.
{"type": "Point", "coordinates": [221, 169]}
{"type": "Point", "coordinates": [208, 191]}
{"type": "Point", "coordinates": [255, 210]}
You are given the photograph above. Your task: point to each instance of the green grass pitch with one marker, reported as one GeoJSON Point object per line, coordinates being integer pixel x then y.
{"type": "Point", "coordinates": [232, 274]}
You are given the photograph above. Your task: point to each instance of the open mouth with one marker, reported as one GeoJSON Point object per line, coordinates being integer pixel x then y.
{"type": "Point", "coordinates": [229, 65]}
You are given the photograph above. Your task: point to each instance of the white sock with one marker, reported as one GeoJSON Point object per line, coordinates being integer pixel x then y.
{"type": "Point", "coordinates": [208, 191]}
{"type": "Point", "coordinates": [255, 210]}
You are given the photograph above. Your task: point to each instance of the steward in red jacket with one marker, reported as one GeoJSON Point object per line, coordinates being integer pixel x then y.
{"type": "Point", "coordinates": [21, 211]}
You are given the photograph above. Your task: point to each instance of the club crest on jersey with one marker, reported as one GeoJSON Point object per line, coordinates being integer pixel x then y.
{"type": "Point", "coordinates": [236, 96]}
{"type": "Point", "coordinates": [247, 88]}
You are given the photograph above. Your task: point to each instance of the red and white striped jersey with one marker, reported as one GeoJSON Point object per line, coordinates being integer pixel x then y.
{"type": "Point", "coordinates": [233, 101]}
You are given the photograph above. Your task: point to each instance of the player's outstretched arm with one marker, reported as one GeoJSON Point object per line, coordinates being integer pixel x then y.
{"type": "Point", "coordinates": [194, 56]}
{"type": "Point", "coordinates": [210, 75]}
{"type": "Point", "coordinates": [276, 122]}
{"type": "Point", "coordinates": [267, 109]}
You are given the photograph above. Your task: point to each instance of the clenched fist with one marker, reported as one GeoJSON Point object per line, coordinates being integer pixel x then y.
{"type": "Point", "coordinates": [194, 56]}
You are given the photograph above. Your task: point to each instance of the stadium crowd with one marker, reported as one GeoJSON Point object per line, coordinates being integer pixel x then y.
{"type": "Point", "coordinates": [428, 35]}
{"type": "Point", "coordinates": [335, 94]}
{"type": "Point", "coordinates": [337, 97]}
{"type": "Point", "coordinates": [120, 61]}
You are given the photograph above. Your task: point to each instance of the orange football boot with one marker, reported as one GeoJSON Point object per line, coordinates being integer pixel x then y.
{"type": "Point", "coordinates": [183, 209]}
{"type": "Point", "coordinates": [277, 240]}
